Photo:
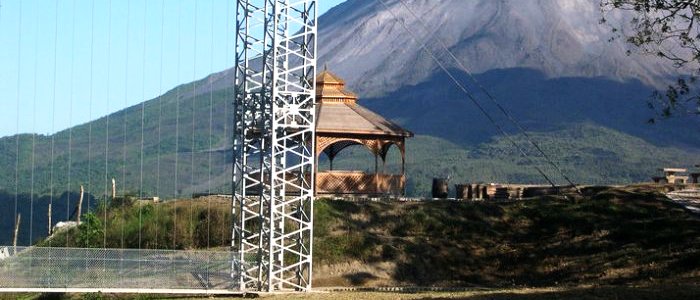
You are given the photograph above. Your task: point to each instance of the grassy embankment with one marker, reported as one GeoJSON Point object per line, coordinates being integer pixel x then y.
{"type": "Point", "coordinates": [610, 237]}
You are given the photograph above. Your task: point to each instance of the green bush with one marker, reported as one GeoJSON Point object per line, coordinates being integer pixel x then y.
{"type": "Point", "coordinates": [90, 231]}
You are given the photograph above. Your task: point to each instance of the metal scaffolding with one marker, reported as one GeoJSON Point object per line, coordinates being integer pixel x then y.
{"type": "Point", "coordinates": [273, 144]}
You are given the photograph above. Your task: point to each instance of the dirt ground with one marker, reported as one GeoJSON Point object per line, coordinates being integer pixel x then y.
{"type": "Point", "coordinates": [679, 291]}
{"type": "Point", "coordinates": [584, 293]}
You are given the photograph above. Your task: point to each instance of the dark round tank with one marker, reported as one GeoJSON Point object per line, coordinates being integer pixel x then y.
{"type": "Point", "coordinates": [440, 188]}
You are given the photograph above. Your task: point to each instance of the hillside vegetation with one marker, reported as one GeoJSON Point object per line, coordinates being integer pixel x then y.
{"type": "Point", "coordinates": [587, 153]}
{"type": "Point", "coordinates": [611, 236]}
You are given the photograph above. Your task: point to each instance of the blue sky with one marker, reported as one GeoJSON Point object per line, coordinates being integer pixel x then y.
{"type": "Point", "coordinates": [70, 68]}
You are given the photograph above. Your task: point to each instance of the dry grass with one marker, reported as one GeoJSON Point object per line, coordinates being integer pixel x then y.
{"type": "Point", "coordinates": [612, 236]}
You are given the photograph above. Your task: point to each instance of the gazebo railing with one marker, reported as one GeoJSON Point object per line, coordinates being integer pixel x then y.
{"type": "Point", "coordinates": [360, 183]}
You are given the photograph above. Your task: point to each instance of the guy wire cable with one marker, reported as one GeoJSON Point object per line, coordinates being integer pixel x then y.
{"type": "Point", "coordinates": [230, 87]}
{"type": "Point", "coordinates": [53, 134]}
{"type": "Point", "coordinates": [19, 90]}
{"type": "Point", "coordinates": [126, 120]}
{"type": "Point", "coordinates": [469, 95]}
{"type": "Point", "coordinates": [125, 197]}
{"type": "Point", "coordinates": [491, 97]}
{"type": "Point", "coordinates": [108, 93]}
{"type": "Point", "coordinates": [194, 103]}
{"type": "Point", "coordinates": [36, 63]}
{"type": "Point", "coordinates": [177, 122]}
{"type": "Point", "coordinates": [211, 116]}
{"type": "Point", "coordinates": [227, 94]}
{"type": "Point", "coordinates": [53, 122]}
{"type": "Point", "coordinates": [143, 114]}
{"type": "Point", "coordinates": [92, 70]}
{"type": "Point", "coordinates": [160, 114]}
{"type": "Point", "coordinates": [70, 111]}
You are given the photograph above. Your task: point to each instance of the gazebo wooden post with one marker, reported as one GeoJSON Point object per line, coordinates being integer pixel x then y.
{"type": "Point", "coordinates": [316, 155]}
{"type": "Point", "coordinates": [376, 171]}
{"type": "Point", "coordinates": [383, 152]}
{"type": "Point", "coordinates": [384, 164]}
{"type": "Point", "coordinates": [403, 159]}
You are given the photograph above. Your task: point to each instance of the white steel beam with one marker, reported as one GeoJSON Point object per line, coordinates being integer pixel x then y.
{"type": "Point", "coordinates": [273, 143]}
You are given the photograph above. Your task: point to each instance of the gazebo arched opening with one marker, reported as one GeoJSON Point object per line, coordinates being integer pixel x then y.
{"type": "Point", "coordinates": [347, 155]}
{"type": "Point", "coordinates": [393, 159]}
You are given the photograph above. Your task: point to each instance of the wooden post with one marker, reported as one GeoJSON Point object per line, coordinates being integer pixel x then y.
{"type": "Point", "coordinates": [50, 229]}
{"type": "Point", "coordinates": [403, 159]}
{"type": "Point", "coordinates": [14, 240]}
{"type": "Point", "coordinates": [384, 164]}
{"type": "Point", "coordinates": [114, 188]}
{"type": "Point", "coordinates": [376, 173]}
{"type": "Point", "coordinates": [80, 202]}
{"type": "Point", "coordinates": [376, 163]}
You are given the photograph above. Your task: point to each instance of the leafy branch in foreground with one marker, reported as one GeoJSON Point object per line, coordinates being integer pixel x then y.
{"type": "Point", "coordinates": [667, 29]}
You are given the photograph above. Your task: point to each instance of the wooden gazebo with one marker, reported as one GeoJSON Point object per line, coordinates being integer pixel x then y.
{"type": "Point", "coordinates": [342, 123]}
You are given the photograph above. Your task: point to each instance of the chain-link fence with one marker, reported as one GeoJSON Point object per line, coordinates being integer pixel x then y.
{"type": "Point", "coordinates": [52, 268]}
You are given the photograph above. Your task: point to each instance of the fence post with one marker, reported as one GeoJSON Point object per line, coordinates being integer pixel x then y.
{"type": "Point", "coordinates": [14, 240]}
{"type": "Point", "coordinates": [80, 202]}
{"type": "Point", "coordinates": [50, 229]}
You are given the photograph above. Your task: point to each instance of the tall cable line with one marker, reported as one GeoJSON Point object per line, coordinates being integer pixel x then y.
{"type": "Point", "coordinates": [92, 70]}
{"type": "Point", "coordinates": [177, 122]}
{"type": "Point", "coordinates": [19, 90]}
{"type": "Point", "coordinates": [143, 115]}
{"type": "Point", "coordinates": [194, 107]}
{"type": "Point", "coordinates": [491, 97]}
{"type": "Point", "coordinates": [126, 120]}
{"type": "Point", "coordinates": [109, 95]}
{"type": "Point", "coordinates": [211, 117]}
{"type": "Point", "coordinates": [70, 110]}
{"type": "Point", "coordinates": [227, 140]}
{"type": "Point", "coordinates": [36, 71]}
{"type": "Point", "coordinates": [466, 92]}
{"type": "Point", "coordinates": [228, 89]}
{"type": "Point", "coordinates": [53, 120]}
{"type": "Point", "coordinates": [160, 113]}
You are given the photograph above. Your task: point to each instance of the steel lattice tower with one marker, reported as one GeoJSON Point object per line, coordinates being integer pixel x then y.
{"type": "Point", "coordinates": [273, 143]}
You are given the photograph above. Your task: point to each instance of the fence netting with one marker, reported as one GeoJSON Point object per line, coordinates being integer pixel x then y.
{"type": "Point", "coordinates": [52, 268]}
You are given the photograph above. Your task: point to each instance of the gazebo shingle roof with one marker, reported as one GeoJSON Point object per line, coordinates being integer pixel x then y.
{"type": "Point", "coordinates": [353, 118]}
{"type": "Point", "coordinates": [338, 112]}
